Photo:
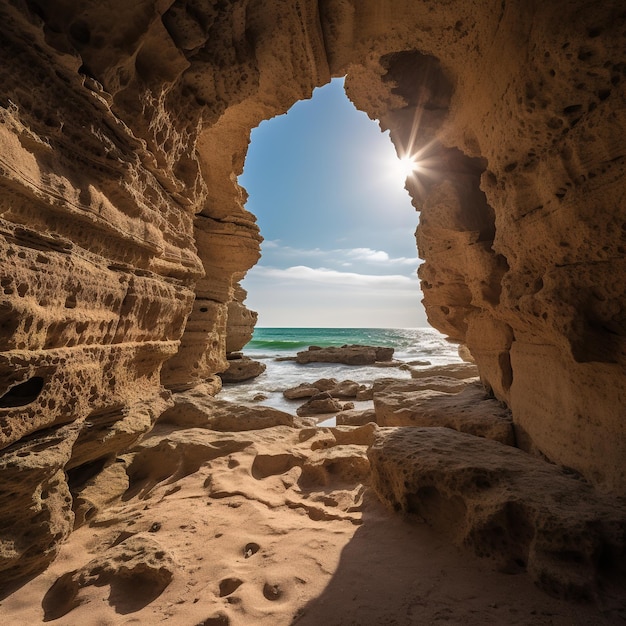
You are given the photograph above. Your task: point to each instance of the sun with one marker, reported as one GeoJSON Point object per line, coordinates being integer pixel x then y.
{"type": "Point", "coordinates": [405, 167]}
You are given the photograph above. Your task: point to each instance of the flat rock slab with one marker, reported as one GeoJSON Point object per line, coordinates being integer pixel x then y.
{"type": "Point", "coordinates": [469, 411]}
{"type": "Point", "coordinates": [348, 355]}
{"type": "Point", "coordinates": [343, 389]}
{"type": "Point", "coordinates": [355, 417]}
{"type": "Point", "coordinates": [194, 409]}
{"type": "Point", "coordinates": [507, 505]}
{"type": "Point", "coordinates": [452, 370]}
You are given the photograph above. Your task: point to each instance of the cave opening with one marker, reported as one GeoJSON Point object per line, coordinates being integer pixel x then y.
{"type": "Point", "coordinates": [339, 258]}
{"type": "Point", "coordinates": [327, 189]}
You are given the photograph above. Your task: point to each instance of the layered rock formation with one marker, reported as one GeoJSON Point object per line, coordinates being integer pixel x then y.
{"type": "Point", "coordinates": [123, 235]}
{"type": "Point", "coordinates": [348, 355]}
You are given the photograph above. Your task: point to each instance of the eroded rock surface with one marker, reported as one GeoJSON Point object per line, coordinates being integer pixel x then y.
{"type": "Point", "coordinates": [469, 411]}
{"type": "Point", "coordinates": [196, 409]}
{"type": "Point", "coordinates": [348, 355]}
{"type": "Point", "coordinates": [507, 505]}
{"type": "Point", "coordinates": [123, 233]}
{"type": "Point", "coordinates": [241, 368]}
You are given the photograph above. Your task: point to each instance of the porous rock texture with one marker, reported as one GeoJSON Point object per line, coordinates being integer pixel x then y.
{"type": "Point", "coordinates": [123, 233]}
{"type": "Point", "coordinates": [507, 505]}
{"type": "Point", "coordinates": [348, 355]}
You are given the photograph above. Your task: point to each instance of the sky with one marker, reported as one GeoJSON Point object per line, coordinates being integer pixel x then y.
{"type": "Point", "coordinates": [328, 192]}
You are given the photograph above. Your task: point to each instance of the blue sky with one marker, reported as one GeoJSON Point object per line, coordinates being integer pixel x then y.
{"type": "Point", "coordinates": [339, 247]}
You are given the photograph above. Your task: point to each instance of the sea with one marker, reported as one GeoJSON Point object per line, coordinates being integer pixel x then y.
{"type": "Point", "coordinates": [418, 347]}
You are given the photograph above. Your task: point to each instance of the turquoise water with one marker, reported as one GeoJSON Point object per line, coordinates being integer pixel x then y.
{"type": "Point", "coordinates": [418, 347]}
{"type": "Point", "coordinates": [408, 342]}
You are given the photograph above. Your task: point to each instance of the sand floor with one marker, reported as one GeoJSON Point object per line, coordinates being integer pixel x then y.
{"type": "Point", "coordinates": [269, 527]}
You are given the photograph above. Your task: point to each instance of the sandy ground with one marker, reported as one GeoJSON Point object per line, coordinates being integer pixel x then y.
{"type": "Point", "coordinates": [269, 527]}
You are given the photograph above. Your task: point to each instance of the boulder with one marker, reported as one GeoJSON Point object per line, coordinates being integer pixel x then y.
{"type": "Point", "coordinates": [242, 368]}
{"type": "Point", "coordinates": [354, 417]}
{"type": "Point", "coordinates": [319, 404]}
{"type": "Point", "coordinates": [343, 389]}
{"type": "Point", "coordinates": [303, 390]}
{"type": "Point", "coordinates": [196, 410]}
{"type": "Point", "coordinates": [505, 504]}
{"type": "Point", "coordinates": [470, 411]}
{"type": "Point", "coordinates": [348, 355]}
{"type": "Point", "coordinates": [346, 389]}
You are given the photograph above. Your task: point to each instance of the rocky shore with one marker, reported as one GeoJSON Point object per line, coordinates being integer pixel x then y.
{"type": "Point", "coordinates": [416, 509]}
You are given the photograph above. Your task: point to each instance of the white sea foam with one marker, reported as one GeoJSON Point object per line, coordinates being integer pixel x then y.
{"type": "Point", "coordinates": [423, 345]}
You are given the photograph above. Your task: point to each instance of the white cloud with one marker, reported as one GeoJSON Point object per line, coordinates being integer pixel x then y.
{"type": "Point", "coordinates": [367, 254]}
{"type": "Point", "coordinates": [342, 257]}
{"type": "Point", "coordinates": [299, 273]}
{"type": "Point", "coordinates": [317, 296]}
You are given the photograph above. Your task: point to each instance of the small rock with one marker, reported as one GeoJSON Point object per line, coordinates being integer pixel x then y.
{"type": "Point", "coordinates": [319, 404]}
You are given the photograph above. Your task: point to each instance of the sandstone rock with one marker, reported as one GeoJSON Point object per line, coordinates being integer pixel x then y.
{"type": "Point", "coordinates": [346, 389]}
{"type": "Point", "coordinates": [325, 384]}
{"type": "Point", "coordinates": [169, 452]}
{"type": "Point", "coordinates": [521, 511]}
{"type": "Point", "coordinates": [240, 369]}
{"type": "Point", "coordinates": [343, 389]}
{"type": "Point", "coordinates": [348, 355]}
{"type": "Point", "coordinates": [35, 502]}
{"type": "Point", "coordinates": [347, 406]}
{"type": "Point", "coordinates": [197, 410]}
{"type": "Point", "coordinates": [469, 411]}
{"type": "Point", "coordinates": [433, 383]}
{"type": "Point", "coordinates": [319, 404]}
{"type": "Point", "coordinates": [365, 394]}
{"type": "Point", "coordinates": [303, 390]}
{"type": "Point", "coordinates": [98, 492]}
{"type": "Point", "coordinates": [454, 370]}
{"type": "Point", "coordinates": [137, 571]}
{"type": "Point", "coordinates": [240, 322]}
{"type": "Point", "coordinates": [354, 417]}
{"type": "Point", "coordinates": [344, 462]}
{"type": "Point", "coordinates": [465, 354]}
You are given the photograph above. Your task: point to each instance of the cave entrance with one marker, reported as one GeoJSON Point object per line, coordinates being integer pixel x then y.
{"type": "Point", "coordinates": [328, 192]}
{"type": "Point", "coordinates": [339, 258]}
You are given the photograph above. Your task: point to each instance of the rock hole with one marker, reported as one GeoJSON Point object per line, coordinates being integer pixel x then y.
{"type": "Point", "coordinates": [572, 108]}
{"type": "Point", "coordinates": [250, 549]}
{"type": "Point", "coordinates": [70, 302]}
{"type": "Point", "coordinates": [22, 394]}
{"type": "Point", "coordinates": [203, 309]}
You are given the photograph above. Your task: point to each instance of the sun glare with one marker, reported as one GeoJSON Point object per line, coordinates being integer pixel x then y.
{"type": "Point", "coordinates": [408, 165]}
{"type": "Point", "coordinates": [405, 167]}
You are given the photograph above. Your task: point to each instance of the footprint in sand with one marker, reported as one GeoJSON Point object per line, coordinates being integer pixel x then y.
{"type": "Point", "coordinates": [272, 592]}
{"type": "Point", "coordinates": [217, 620]}
{"type": "Point", "coordinates": [229, 585]}
{"type": "Point", "coordinates": [250, 549]}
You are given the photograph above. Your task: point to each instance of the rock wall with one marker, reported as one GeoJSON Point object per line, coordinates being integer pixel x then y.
{"type": "Point", "coordinates": [123, 233]}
